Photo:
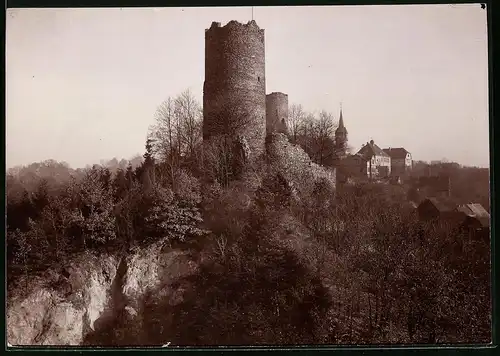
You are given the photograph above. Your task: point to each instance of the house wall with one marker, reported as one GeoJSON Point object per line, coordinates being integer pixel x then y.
{"type": "Point", "coordinates": [401, 166]}
{"type": "Point", "coordinates": [409, 161]}
{"type": "Point", "coordinates": [380, 166]}
{"type": "Point", "coordinates": [398, 166]}
{"type": "Point", "coordinates": [352, 166]}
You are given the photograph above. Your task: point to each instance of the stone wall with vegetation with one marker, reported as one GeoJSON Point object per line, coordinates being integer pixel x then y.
{"type": "Point", "coordinates": [295, 164]}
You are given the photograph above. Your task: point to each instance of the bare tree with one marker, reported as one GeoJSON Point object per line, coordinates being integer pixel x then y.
{"type": "Point", "coordinates": [189, 118]}
{"type": "Point", "coordinates": [296, 116]}
{"type": "Point", "coordinates": [306, 131]}
{"type": "Point", "coordinates": [315, 134]}
{"type": "Point", "coordinates": [324, 138]}
{"type": "Point", "coordinates": [177, 133]}
{"type": "Point", "coordinates": [165, 136]}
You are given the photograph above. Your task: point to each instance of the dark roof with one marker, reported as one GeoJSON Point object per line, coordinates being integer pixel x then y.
{"type": "Point", "coordinates": [441, 205]}
{"type": "Point", "coordinates": [371, 149]}
{"type": "Point", "coordinates": [447, 212]}
{"type": "Point", "coordinates": [354, 157]}
{"type": "Point", "coordinates": [474, 209]}
{"type": "Point", "coordinates": [396, 153]}
{"type": "Point", "coordinates": [358, 155]}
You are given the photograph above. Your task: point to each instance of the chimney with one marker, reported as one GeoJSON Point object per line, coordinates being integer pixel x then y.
{"type": "Point", "coordinates": [372, 142]}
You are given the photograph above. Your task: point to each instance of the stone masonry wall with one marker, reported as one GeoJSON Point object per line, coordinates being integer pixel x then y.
{"type": "Point", "coordinates": [276, 112]}
{"type": "Point", "coordinates": [234, 93]}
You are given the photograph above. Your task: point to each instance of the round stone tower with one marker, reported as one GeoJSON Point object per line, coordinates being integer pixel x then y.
{"type": "Point", "coordinates": [276, 112]}
{"type": "Point", "coordinates": [234, 92]}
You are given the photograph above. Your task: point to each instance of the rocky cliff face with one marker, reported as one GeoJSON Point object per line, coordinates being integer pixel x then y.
{"type": "Point", "coordinates": [54, 310]}
{"type": "Point", "coordinates": [151, 269]}
{"type": "Point", "coordinates": [74, 310]}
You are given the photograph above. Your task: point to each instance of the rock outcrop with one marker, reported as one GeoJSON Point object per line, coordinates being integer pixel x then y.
{"type": "Point", "coordinates": [46, 315]}
{"type": "Point", "coordinates": [152, 269]}
{"type": "Point", "coordinates": [100, 288]}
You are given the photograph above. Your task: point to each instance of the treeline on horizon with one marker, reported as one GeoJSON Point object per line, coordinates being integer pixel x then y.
{"type": "Point", "coordinates": [351, 266]}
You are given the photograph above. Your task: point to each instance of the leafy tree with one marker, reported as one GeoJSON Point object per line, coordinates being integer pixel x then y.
{"type": "Point", "coordinates": [120, 186]}
{"type": "Point", "coordinates": [96, 208]}
{"type": "Point", "coordinates": [19, 210]}
{"type": "Point", "coordinates": [129, 175]}
{"type": "Point", "coordinates": [146, 172]}
{"type": "Point", "coordinates": [105, 174]}
{"type": "Point", "coordinates": [41, 195]}
{"type": "Point", "coordinates": [23, 251]}
{"type": "Point", "coordinates": [168, 218]}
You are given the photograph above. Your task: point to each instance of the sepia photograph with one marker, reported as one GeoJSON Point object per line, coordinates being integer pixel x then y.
{"type": "Point", "coordinates": [248, 176]}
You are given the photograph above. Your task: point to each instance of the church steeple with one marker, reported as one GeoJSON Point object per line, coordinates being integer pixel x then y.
{"type": "Point", "coordinates": [341, 138]}
{"type": "Point", "coordinates": [341, 130]}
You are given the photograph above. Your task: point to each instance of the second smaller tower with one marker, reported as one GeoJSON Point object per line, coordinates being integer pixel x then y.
{"type": "Point", "coordinates": [276, 113]}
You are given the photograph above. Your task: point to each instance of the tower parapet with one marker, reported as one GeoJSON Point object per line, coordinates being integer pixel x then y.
{"type": "Point", "coordinates": [276, 113]}
{"type": "Point", "coordinates": [235, 26]}
{"type": "Point", "coordinates": [234, 92]}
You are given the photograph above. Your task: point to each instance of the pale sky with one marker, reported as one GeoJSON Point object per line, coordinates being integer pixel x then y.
{"type": "Point", "coordinates": [84, 84]}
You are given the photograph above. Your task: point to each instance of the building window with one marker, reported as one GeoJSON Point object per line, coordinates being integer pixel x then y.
{"type": "Point", "coordinates": [258, 79]}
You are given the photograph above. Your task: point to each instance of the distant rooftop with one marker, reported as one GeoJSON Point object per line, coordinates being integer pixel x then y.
{"type": "Point", "coordinates": [371, 149]}
{"type": "Point", "coordinates": [441, 204]}
{"type": "Point", "coordinates": [474, 209]}
{"type": "Point", "coordinates": [396, 153]}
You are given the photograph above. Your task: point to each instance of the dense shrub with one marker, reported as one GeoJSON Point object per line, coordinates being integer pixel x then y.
{"type": "Point", "coordinates": [175, 220]}
{"type": "Point", "coordinates": [398, 280]}
{"type": "Point", "coordinates": [271, 299]}
{"type": "Point", "coordinates": [256, 292]}
{"type": "Point", "coordinates": [188, 188]}
{"type": "Point", "coordinates": [100, 212]}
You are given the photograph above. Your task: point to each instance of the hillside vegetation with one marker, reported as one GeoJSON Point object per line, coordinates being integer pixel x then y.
{"type": "Point", "coordinates": [275, 264]}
